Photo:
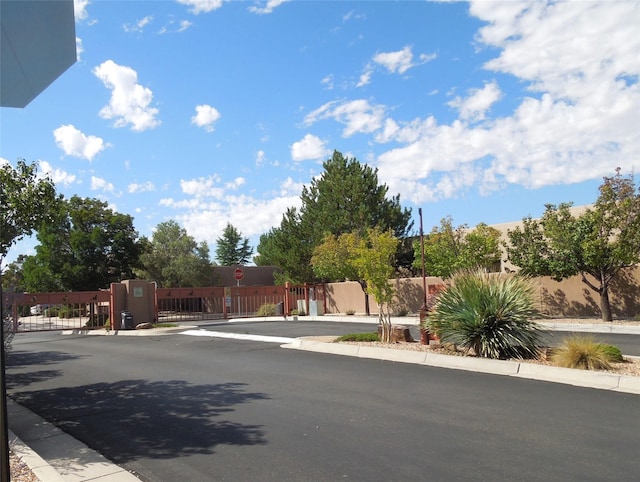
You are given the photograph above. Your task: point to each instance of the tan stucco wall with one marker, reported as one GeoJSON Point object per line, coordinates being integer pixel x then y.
{"type": "Point", "coordinates": [348, 295]}
{"type": "Point", "coordinates": [568, 298]}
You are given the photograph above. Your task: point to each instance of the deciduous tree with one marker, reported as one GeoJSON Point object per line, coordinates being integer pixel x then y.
{"type": "Point", "coordinates": [26, 201]}
{"type": "Point", "coordinates": [448, 249]}
{"type": "Point", "coordinates": [86, 247]}
{"type": "Point", "coordinates": [364, 258]}
{"type": "Point", "coordinates": [174, 259]}
{"type": "Point", "coordinates": [595, 245]}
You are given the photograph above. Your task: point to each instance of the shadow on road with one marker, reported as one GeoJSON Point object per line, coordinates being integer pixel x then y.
{"type": "Point", "coordinates": [20, 361]}
{"type": "Point", "coordinates": [130, 419]}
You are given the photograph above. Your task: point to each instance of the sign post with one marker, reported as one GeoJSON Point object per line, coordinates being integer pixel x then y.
{"type": "Point", "coordinates": [238, 274]}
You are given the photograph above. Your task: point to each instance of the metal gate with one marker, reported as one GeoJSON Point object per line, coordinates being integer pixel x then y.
{"type": "Point", "coordinates": [58, 311]}
{"type": "Point", "coordinates": [92, 309]}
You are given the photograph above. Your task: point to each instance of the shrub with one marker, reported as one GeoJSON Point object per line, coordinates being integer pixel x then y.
{"type": "Point", "coordinates": [268, 309]}
{"type": "Point", "coordinates": [613, 352]}
{"type": "Point", "coordinates": [350, 312]}
{"type": "Point", "coordinates": [98, 319]}
{"type": "Point", "coordinates": [582, 352]}
{"type": "Point", "coordinates": [65, 312]}
{"type": "Point", "coordinates": [402, 312]}
{"type": "Point", "coordinates": [359, 337]}
{"type": "Point", "coordinates": [489, 314]}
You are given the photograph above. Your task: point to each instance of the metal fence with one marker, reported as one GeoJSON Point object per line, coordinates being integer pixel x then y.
{"type": "Point", "coordinates": [58, 311]}
{"type": "Point", "coordinates": [92, 309]}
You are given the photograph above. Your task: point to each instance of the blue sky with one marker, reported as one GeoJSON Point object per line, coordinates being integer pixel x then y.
{"type": "Point", "coordinates": [211, 111]}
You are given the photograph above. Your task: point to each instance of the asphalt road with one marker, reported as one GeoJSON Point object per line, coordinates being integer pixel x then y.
{"type": "Point", "coordinates": [192, 408]}
{"type": "Point", "coordinates": [628, 344]}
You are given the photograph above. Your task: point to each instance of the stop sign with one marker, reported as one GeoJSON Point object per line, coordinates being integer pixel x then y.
{"type": "Point", "coordinates": [238, 273]}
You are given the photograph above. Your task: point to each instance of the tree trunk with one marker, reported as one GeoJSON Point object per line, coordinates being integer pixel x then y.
{"type": "Point", "coordinates": [363, 285]}
{"type": "Point", "coordinates": [605, 305]}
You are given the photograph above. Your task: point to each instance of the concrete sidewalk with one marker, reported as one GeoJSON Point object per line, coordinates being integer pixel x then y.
{"type": "Point", "coordinates": [55, 456]}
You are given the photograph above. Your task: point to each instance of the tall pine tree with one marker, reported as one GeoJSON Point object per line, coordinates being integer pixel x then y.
{"type": "Point", "coordinates": [346, 198]}
{"type": "Point", "coordinates": [232, 247]}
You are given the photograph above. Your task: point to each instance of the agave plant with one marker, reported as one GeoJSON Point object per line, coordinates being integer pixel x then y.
{"type": "Point", "coordinates": [489, 314]}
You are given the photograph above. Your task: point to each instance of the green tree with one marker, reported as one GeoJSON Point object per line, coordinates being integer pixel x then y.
{"type": "Point", "coordinates": [346, 198]}
{"type": "Point", "coordinates": [364, 258]}
{"type": "Point", "coordinates": [287, 246]}
{"type": "Point", "coordinates": [25, 202]}
{"type": "Point", "coordinates": [596, 245]}
{"type": "Point", "coordinates": [87, 247]}
{"type": "Point", "coordinates": [174, 259]}
{"type": "Point", "coordinates": [448, 249]}
{"type": "Point", "coordinates": [232, 249]}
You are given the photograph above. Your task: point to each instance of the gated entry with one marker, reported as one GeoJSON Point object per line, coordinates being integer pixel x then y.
{"type": "Point", "coordinates": [58, 311]}
{"type": "Point", "coordinates": [92, 309]}
{"type": "Point", "coordinates": [191, 304]}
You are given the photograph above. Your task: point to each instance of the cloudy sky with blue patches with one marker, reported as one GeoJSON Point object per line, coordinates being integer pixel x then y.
{"type": "Point", "coordinates": [214, 111]}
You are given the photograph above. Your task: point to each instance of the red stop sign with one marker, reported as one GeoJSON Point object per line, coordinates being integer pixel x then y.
{"type": "Point", "coordinates": [238, 273]}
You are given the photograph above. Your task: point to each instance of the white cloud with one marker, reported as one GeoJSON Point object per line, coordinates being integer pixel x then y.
{"type": "Point", "coordinates": [184, 25]}
{"type": "Point", "coordinates": [327, 81]}
{"type": "Point", "coordinates": [58, 176]}
{"type": "Point", "coordinates": [399, 61]}
{"type": "Point", "coordinates": [202, 6]}
{"type": "Point", "coordinates": [135, 187]}
{"type": "Point", "coordinates": [99, 184]}
{"type": "Point", "coordinates": [80, 9]}
{"type": "Point", "coordinates": [309, 147]}
{"type": "Point", "coordinates": [202, 187]}
{"type": "Point", "coordinates": [269, 7]}
{"type": "Point", "coordinates": [235, 184]}
{"type": "Point", "coordinates": [205, 117]}
{"type": "Point", "coordinates": [579, 60]}
{"type": "Point", "coordinates": [261, 157]}
{"type": "Point", "coordinates": [139, 25]}
{"type": "Point", "coordinates": [74, 143]}
{"type": "Point", "coordinates": [475, 106]}
{"type": "Point", "coordinates": [365, 78]}
{"type": "Point", "coordinates": [130, 102]}
{"type": "Point", "coordinates": [79, 47]}
{"type": "Point", "coordinates": [358, 116]}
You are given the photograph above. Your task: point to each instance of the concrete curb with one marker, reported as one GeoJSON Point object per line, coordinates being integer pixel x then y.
{"type": "Point", "coordinates": [591, 328]}
{"type": "Point", "coordinates": [582, 378]}
{"type": "Point", "coordinates": [49, 448]}
{"type": "Point", "coordinates": [37, 464]}
{"type": "Point", "coordinates": [149, 332]}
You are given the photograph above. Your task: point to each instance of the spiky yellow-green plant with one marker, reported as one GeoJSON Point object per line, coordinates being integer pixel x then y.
{"type": "Point", "coordinates": [490, 314]}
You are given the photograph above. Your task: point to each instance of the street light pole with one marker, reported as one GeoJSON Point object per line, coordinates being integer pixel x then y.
{"type": "Point", "coordinates": [424, 335]}
{"type": "Point", "coordinates": [424, 278]}
{"type": "Point", "coordinates": [4, 422]}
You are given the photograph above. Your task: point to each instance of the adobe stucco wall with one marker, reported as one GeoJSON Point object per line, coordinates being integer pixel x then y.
{"type": "Point", "coordinates": [569, 298]}
{"type": "Point", "coordinates": [348, 295]}
{"type": "Point", "coordinates": [573, 298]}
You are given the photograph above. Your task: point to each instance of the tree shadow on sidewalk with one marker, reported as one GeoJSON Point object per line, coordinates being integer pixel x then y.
{"type": "Point", "coordinates": [130, 419]}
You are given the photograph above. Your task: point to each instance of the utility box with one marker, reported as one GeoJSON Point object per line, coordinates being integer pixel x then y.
{"type": "Point", "coordinates": [279, 309]}
{"type": "Point", "coordinates": [126, 321]}
{"type": "Point", "coordinates": [316, 308]}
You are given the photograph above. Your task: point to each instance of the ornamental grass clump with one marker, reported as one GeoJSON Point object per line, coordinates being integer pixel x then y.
{"type": "Point", "coordinates": [492, 315]}
{"type": "Point", "coordinates": [585, 353]}
{"type": "Point", "coordinates": [268, 309]}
